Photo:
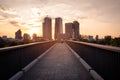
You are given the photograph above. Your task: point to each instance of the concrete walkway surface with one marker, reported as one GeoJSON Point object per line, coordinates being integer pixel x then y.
{"type": "Point", "coordinates": [58, 64]}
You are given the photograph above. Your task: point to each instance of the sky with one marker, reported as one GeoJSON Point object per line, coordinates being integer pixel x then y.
{"type": "Point", "coordinates": [96, 17]}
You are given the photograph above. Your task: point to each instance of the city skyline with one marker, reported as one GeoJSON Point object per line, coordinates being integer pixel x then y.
{"type": "Point", "coordinates": [95, 19]}
{"type": "Point", "coordinates": [71, 30]}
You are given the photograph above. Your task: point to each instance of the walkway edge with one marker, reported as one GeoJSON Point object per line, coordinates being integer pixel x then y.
{"type": "Point", "coordinates": [26, 68]}
{"type": "Point", "coordinates": [16, 76]}
{"type": "Point", "coordinates": [92, 72]}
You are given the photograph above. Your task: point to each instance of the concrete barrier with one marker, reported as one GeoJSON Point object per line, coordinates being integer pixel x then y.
{"type": "Point", "coordinates": [92, 72]}
{"type": "Point", "coordinates": [29, 66]}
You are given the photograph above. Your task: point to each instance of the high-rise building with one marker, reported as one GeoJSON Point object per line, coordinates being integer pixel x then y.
{"type": "Point", "coordinates": [58, 28]}
{"type": "Point", "coordinates": [47, 28]}
{"type": "Point", "coordinates": [18, 35]}
{"type": "Point", "coordinates": [69, 30]}
{"type": "Point", "coordinates": [72, 30]}
{"type": "Point", "coordinates": [76, 29]}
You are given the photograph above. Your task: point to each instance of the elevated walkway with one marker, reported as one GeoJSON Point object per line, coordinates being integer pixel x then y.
{"type": "Point", "coordinates": [58, 64]}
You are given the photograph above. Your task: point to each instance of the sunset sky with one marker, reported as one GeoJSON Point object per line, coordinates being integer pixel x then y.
{"type": "Point", "coordinates": [96, 17]}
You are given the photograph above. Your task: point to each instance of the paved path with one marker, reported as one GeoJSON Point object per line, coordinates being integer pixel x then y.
{"type": "Point", "coordinates": [58, 64]}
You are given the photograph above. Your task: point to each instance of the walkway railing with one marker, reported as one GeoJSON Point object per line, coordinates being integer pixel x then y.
{"type": "Point", "coordinates": [105, 60]}
{"type": "Point", "coordinates": [13, 59]}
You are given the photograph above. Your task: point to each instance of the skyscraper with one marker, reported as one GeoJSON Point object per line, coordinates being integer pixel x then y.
{"type": "Point", "coordinates": [18, 35]}
{"type": "Point", "coordinates": [58, 27]}
{"type": "Point", "coordinates": [72, 30]}
{"type": "Point", "coordinates": [47, 31]}
{"type": "Point", "coordinates": [76, 29]}
{"type": "Point", "coordinates": [69, 30]}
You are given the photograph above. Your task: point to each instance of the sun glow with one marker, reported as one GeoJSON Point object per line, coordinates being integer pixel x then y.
{"type": "Point", "coordinates": [33, 30]}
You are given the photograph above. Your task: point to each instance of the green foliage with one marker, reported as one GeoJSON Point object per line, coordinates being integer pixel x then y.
{"type": "Point", "coordinates": [115, 42]}
{"type": "Point", "coordinates": [106, 41]}
{"type": "Point", "coordinates": [110, 41]}
{"type": "Point", "coordinates": [4, 43]}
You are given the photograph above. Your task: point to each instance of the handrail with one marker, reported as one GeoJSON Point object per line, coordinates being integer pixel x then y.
{"type": "Point", "coordinates": [20, 46]}
{"type": "Point", "coordinates": [15, 58]}
{"type": "Point", "coordinates": [105, 47]}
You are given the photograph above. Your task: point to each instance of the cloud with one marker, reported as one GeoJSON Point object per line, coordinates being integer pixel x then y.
{"type": "Point", "coordinates": [97, 9]}
{"type": "Point", "coordinates": [104, 10]}
{"type": "Point", "coordinates": [82, 17]}
{"type": "Point", "coordinates": [3, 8]}
{"type": "Point", "coordinates": [1, 17]}
{"type": "Point", "coordinates": [19, 25]}
{"type": "Point", "coordinates": [15, 23]}
{"type": "Point", "coordinates": [7, 13]}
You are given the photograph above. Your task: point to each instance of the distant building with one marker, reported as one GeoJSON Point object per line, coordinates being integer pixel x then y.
{"type": "Point", "coordinates": [4, 37]}
{"type": "Point", "coordinates": [58, 28]}
{"type": "Point", "coordinates": [11, 39]}
{"type": "Point", "coordinates": [76, 30]}
{"type": "Point", "coordinates": [108, 37]}
{"type": "Point", "coordinates": [84, 37]}
{"type": "Point", "coordinates": [63, 36]}
{"type": "Point", "coordinates": [26, 36]}
{"type": "Point", "coordinates": [18, 35]}
{"type": "Point", "coordinates": [34, 37]}
{"type": "Point", "coordinates": [97, 38]}
{"type": "Point", "coordinates": [69, 30]}
{"type": "Point", "coordinates": [47, 28]}
{"type": "Point", "coordinates": [90, 38]}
